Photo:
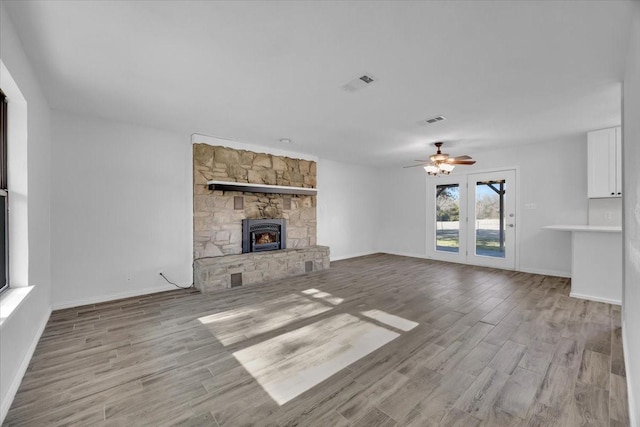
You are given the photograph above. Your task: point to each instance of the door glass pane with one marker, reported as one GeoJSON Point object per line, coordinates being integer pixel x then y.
{"type": "Point", "coordinates": [490, 223]}
{"type": "Point", "coordinates": [447, 218]}
{"type": "Point", "coordinates": [3, 242]}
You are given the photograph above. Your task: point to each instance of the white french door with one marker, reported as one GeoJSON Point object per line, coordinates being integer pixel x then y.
{"type": "Point", "coordinates": [492, 219]}
{"type": "Point", "coordinates": [474, 219]}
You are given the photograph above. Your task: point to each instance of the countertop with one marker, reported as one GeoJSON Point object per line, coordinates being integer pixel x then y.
{"type": "Point", "coordinates": [593, 228]}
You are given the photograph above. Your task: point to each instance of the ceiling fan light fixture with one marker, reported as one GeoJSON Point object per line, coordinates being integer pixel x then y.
{"type": "Point", "coordinates": [441, 164]}
{"type": "Point", "coordinates": [432, 169]}
{"type": "Point", "coordinates": [446, 168]}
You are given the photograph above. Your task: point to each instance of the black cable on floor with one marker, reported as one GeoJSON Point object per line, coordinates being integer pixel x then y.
{"type": "Point", "coordinates": [176, 285]}
{"type": "Point", "coordinates": [192, 265]}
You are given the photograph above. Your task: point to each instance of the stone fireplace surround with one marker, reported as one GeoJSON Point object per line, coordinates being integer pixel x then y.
{"type": "Point", "coordinates": [219, 262]}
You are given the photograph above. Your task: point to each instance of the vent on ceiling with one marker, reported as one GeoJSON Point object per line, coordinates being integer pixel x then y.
{"type": "Point", "coordinates": [436, 119]}
{"type": "Point", "coordinates": [359, 82]}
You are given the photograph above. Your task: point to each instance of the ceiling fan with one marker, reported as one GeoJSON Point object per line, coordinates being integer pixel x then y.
{"type": "Point", "coordinates": [441, 163]}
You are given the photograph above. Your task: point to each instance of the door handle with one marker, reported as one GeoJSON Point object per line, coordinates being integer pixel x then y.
{"type": "Point", "coordinates": [511, 225]}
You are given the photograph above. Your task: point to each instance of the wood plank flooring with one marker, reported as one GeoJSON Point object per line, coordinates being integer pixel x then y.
{"type": "Point", "coordinates": [379, 340]}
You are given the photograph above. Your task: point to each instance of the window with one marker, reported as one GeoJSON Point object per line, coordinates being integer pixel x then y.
{"type": "Point", "coordinates": [4, 208]}
{"type": "Point", "coordinates": [448, 218]}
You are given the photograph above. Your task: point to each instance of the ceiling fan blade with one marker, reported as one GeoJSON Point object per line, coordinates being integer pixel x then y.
{"type": "Point", "coordinates": [465, 157]}
{"type": "Point", "coordinates": [423, 161]}
{"type": "Point", "coordinates": [461, 162]}
{"type": "Point", "coordinates": [419, 164]}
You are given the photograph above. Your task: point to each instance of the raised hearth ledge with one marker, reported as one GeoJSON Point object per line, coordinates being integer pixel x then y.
{"type": "Point", "coordinates": [216, 273]}
{"type": "Point", "coordinates": [260, 188]}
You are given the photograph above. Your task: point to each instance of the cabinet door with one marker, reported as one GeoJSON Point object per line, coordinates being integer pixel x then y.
{"type": "Point", "coordinates": [618, 144]}
{"type": "Point", "coordinates": [601, 168]}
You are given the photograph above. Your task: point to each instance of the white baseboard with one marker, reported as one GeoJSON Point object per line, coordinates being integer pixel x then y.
{"type": "Point", "coordinates": [633, 416]}
{"type": "Point", "coordinates": [22, 369]}
{"type": "Point", "coordinates": [410, 255]}
{"type": "Point", "coordinates": [407, 254]}
{"type": "Point", "coordinates": [596, 299]}
{"type": "Point", "coordinates": [341, 257]}
{"type": "Point", "coordinates": [111, 297]}
{"type": "Point", "coordinates": [555, 273]}
{"type": "Point", "coordinates": [543, 272]}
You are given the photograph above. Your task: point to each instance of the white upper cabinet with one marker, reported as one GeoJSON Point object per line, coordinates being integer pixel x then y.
{"type": "Point", "coordinates": [605, 163]}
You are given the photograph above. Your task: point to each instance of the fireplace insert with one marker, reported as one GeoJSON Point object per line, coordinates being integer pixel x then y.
{"type": "Point", "coordinates": [260, 235]}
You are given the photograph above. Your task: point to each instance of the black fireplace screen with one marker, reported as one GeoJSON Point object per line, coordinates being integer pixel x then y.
{"type": "Point", "coordinates": [263, 235]}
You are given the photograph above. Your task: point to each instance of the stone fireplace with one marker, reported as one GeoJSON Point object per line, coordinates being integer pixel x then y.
{"type": "Point", "coordinates": [251, 226]}
{"type": "Point", "coordinates": [218, 215]}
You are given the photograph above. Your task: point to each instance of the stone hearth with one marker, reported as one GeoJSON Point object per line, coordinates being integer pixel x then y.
{"type": "Point", "coordinates": [211, 274]}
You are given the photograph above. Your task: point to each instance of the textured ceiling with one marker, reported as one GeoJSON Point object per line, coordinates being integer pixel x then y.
{"type": "Point", "coordinates": [503, 73]}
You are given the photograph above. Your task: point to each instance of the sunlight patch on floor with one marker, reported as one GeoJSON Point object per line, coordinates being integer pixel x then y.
{"type": "Point", "coordinates": [248, 321]}
{"type": "Point", "coordinates": [292, 363]}
{"type": "Point", "coordinates": [390, 319]}
{"type": "Point", "coordinates": [325, 296]}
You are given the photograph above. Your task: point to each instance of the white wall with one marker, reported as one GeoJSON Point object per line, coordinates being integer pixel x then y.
{"type": "Point", "coordinates": [605, 211]}
{"type": "Point", "coordinates": [559, 192]}
{"type": "Point", "coordinates": [402, 224]}
{"type": "Point", "coordinates": [20, 331]}
{"type": "Point", "coordinates": [631, 219]}
{"type": "Point", "coordinates": [347, 209]}
{"type": "Point", "coordinates": [121, 209]}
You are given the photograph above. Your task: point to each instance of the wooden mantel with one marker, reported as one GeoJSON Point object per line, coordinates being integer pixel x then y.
{"type": "Point", "coordinates": [260, 188]}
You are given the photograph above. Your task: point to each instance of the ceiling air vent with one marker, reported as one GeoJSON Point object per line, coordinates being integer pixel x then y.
{"type": "Point", "coordinates": [436, 119]}
{"type": "Point", "coordinates": [359, 82]}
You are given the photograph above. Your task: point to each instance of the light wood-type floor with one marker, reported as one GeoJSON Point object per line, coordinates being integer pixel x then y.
{"type": "Point", "coordinates": [379, 340]}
